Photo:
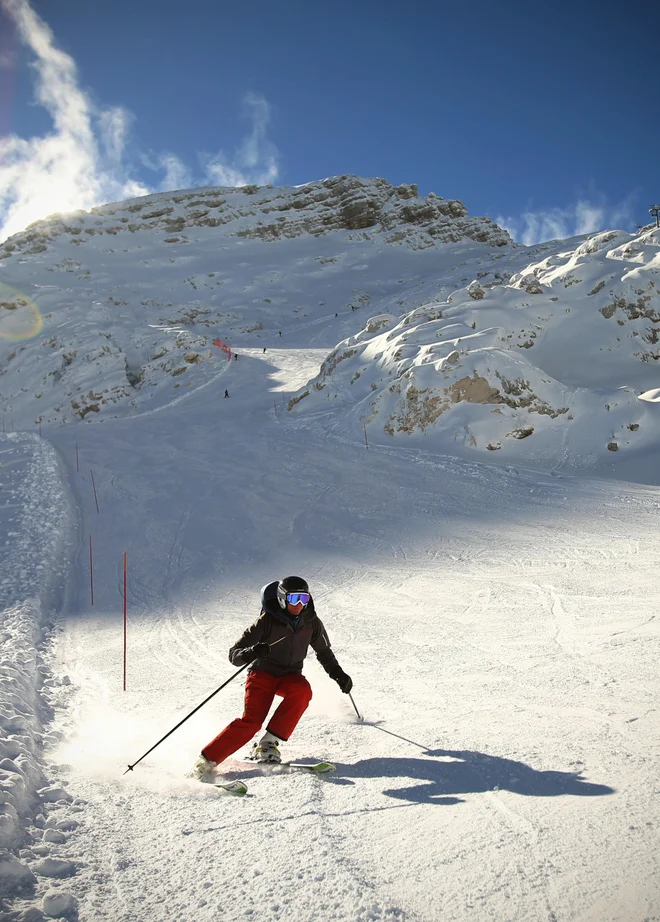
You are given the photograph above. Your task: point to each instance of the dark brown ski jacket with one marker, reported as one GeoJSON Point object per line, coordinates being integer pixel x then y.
{"type": "Point", "coordinates": [290, 639]}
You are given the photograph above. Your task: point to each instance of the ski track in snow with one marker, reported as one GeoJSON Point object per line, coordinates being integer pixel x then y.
{"type": "Point", "coordinates": [499, 626]}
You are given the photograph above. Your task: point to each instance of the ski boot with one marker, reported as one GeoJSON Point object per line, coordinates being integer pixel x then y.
{"type": "Point", "coordinates": [265, 751]}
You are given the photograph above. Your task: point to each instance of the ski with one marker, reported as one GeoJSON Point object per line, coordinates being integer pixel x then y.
{"type": "Point", "coordinates": [318, 768]}
{"type": "Point", "coordinates": [315, 768]}
{"type": "Point", "coordinates": [235, 788]}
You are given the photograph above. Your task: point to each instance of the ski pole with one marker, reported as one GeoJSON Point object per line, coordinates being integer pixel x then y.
{"type": "Point", "coordinates": [353, 703]}
{"type": "Point", "coordinates": [231, 679]}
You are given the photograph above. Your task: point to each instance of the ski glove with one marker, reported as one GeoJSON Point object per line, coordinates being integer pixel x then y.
{"type": "Point", "coordinates": [345, 682]}
{"type": "Point", "coordinates": [257, 651]}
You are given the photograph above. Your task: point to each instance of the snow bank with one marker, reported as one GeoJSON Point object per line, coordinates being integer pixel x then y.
{"type": "Point", "coordinates": [35, 515]}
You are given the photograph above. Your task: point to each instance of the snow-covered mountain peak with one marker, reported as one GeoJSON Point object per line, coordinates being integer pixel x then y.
{"type": "Point", "coordinates": [447, 331]}
{"type": "Point", "coordinates": [117, 310]}
{"type": "Point", "coordinates": [370, 207]}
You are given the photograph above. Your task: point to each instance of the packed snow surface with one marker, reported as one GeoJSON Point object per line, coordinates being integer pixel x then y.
{"type": "Point", "coordinates": [498, 619]}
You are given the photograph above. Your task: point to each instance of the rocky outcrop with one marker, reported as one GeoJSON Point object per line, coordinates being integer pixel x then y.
{"type": "Point", "coordinates": [366, 207]}
{"type": "Point", "coordinates": [560, 346]}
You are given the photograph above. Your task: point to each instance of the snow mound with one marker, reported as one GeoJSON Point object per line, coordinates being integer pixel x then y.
{"type": "Point", "coordinates": [558, 350]}
{"type": "Point", "coordinates": [56, 904]}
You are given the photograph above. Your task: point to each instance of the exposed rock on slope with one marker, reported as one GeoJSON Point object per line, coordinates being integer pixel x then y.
{"type": "Point", "coordinates": [568, 342]}
{"type": "Point", "coordinates": [370, 206]}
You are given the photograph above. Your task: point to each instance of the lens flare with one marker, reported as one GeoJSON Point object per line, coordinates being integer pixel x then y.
{"type": "Point", "coordinates": [19, 315]}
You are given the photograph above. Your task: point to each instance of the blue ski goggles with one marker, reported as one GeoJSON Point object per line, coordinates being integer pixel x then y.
{"type": "Point", "coordinates": [294, 598]}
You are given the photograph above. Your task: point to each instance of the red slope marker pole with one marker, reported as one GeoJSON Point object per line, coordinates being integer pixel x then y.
{"type": "Point", "coordinates": [96, 499]}
{"type": "Point", "coordinates": [91, 570]}
{"type": "Point", "coordinates": [124, 620]}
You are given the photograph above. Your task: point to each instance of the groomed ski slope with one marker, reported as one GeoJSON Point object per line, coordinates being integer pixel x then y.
{"type": "Point", "coordinates": [500, 628]}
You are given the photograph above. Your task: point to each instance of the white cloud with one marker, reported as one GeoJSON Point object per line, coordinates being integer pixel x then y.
{"type": "Point", "coordinates": [82, 162]}
{"type": "Point", "coordinates": [114, 126]}
{"type": "Point", "coordinates": [177, 175]}
{"type": "Point", "coordinates": [256, 160]}
{"type": "Point", "coordinates": [65, 169]}
{"type": "Point", "coordinates": [582, 217]}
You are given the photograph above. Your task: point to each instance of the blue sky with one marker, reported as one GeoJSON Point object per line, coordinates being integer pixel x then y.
{"type": "Point", "coordinates": [544, 119]}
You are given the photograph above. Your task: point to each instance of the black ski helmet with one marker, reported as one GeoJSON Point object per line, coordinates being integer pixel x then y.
{"type": "Point", "coordinates": [290, 584]}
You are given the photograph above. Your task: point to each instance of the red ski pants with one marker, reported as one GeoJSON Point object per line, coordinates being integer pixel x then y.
{"type": "Point", "coordinates": [260, 689]}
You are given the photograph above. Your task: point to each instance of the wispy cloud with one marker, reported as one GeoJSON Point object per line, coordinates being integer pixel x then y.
{"type": "Point", "coordinates": [256, 160]}
{"type": "Point", "coordinates": [582, 217]}
{"type": "Point", "coordinates": [63, 170]}
{"type": "Point", "coordinates": [83, 160]}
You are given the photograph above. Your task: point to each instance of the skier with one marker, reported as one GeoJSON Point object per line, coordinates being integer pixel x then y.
{"type": "Point", "coordinates": [276, 645]}
{"type": "Point", "coordinates": [226, 393]}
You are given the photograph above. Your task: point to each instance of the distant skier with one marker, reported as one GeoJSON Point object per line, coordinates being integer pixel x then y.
{"type": "Point", "coordinates": [276, 646]}
{"type": "Point", "coordinates": [280, 332]}
{"type": "Point", "coordinates": [264, 348]}
{"type": "Point", "coordinates": [226, 393]}
{"type": "Point", "coordinates": [235, 356]}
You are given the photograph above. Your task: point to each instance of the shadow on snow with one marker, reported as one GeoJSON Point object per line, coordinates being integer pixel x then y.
{"type": "Point", "coordinates": [450, 772]}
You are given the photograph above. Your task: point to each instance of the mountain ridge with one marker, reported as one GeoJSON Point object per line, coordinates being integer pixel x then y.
{"type": "Point", "coordinates": [537, 353]}
{"type": "Point", "coordinates": [372, 206]}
